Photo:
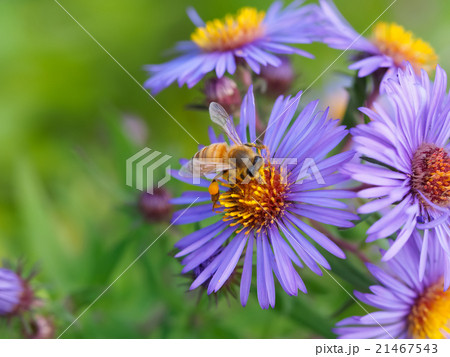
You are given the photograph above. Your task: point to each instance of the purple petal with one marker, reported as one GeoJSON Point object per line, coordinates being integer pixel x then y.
{"type": "Point", "coordinates": [246, 278]}
{"type": "Point", "coordinates": [226, 268]}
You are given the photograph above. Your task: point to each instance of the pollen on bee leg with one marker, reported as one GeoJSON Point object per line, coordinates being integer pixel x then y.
{"type": "Point", "coordinates": [213, 188]}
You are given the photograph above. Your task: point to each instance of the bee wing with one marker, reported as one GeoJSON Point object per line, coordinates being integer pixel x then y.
{"type": "Point", "coordinates": [221, 118]}
{"type": "Point", "coordinates": [200, 167]}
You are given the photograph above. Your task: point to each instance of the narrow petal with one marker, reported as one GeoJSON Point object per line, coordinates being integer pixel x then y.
{"type": "Point", "coordinates": [246, 278]}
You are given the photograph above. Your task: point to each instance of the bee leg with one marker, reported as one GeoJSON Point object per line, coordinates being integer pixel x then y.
{"type": "Point", "coordinates": [216, 206]}
{"type": "Point", "coordinates": [214, 191]}
{"type": "Point", "coordinates": [255, 145]}
{"type": "Point", "coordinates": [259, 147]}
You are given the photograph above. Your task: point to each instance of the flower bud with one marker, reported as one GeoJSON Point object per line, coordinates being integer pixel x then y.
{"type": "Point", "coordinates": [16, 295]}
{"type": "Point", "coordinates": [230, 286]}
{"type": "Point", "coordinates": [41, 327]}
{"type": "Point", "coordinates": [278, 79]}
{"type": "Point", "coordinates": [155, 207]}
{"type": "Point", "coordinates": [336, 96]}
{"type": "Point", "coordinates": [337, 101]}
{"type": "Point", "coordinates": [136, 130]}
{"type": "Point", "coordinates": [223, 91]}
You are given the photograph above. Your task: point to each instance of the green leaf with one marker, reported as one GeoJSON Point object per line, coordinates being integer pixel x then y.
{"type": "Point", "coordinates": [373, 161]}
{"type": "Point", "coordinates": [40, 237]}
{"type": "Point", "coordinates": [300, 310]}
{"type": "Point", "coordinates": [346, 270]}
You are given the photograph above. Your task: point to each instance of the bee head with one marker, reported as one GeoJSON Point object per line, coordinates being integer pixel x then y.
{"type": "Point", "coordinates": [257, 163]}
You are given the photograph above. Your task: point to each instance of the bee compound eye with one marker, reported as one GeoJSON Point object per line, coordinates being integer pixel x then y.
{"type": "Point", "coordinates": [257, 162]}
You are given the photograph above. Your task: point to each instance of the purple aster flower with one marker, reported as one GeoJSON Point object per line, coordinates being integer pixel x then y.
{"type": "Point", "coordinates": [266, 217]}
{"type": "Point", "coordinates": [15, 294]}
{"type": "Point", "coordinates": [407, 148]}
{"type": "Point", "coordinates": [389, 48]}
{"type": "Point", "coordinates": [252, 37]}
{"type": "Point", "coordinates": [10, 290]}
{"type": "Point", "coordinates": [408, 307]}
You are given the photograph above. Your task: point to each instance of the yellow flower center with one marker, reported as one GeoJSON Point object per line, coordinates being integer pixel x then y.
{"type": "Point", "coordinates": [401, 45]}
{"type": "Point", "coordinates": [430, 315]}
{"type": "Point", "coordinates": [231, 32]}
{"type": "Point", "coordinates": [431, 174]}
{"type": "Point", "coordinates": [258, 203]}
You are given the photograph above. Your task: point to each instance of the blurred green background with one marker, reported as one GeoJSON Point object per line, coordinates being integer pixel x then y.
{"type": "Point", "coordinates": [64, 204]}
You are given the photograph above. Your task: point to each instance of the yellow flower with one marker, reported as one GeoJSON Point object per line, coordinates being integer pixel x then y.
{"type": "Point", "coordinates": [401, 45]}
{"type": "Point", "coordinates": [231, 32]}
{"type": "Point", "coordinates": [429, 316]}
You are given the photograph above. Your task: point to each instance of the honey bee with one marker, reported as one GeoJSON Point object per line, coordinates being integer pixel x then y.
{"type": "Point", "coordinates": [234, 164]}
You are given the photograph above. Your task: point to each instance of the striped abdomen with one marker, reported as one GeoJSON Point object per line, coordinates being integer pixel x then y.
{"type": "Point", "coordinates": [214, 152]}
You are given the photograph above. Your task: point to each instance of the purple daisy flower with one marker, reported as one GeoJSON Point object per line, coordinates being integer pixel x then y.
{"type": "Point", "coordinates": [252, 37]}
{"type": "Point", "coordinates": [408, 307]}
{"type": "Point", "coordinates": [389, 48]}
{"type": "Point", "coordinates": [407, 146]}
{"type": "Point", "coordinates": [11, 291]}
{"type": "Point", "coordinates": [266, 217]}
